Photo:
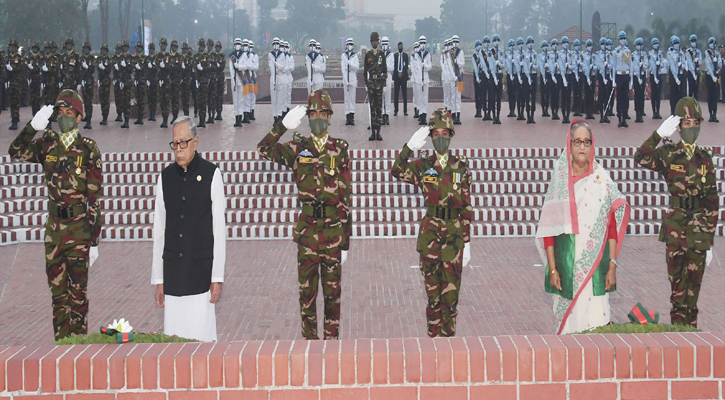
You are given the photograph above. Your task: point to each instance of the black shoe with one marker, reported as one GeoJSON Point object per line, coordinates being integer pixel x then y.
{"type": "Point", "coordinates": [577, 114]}
{"type": "Point", "coordinates": [656, 116]}
{"type": "Point", "coordinates": [606, 120]}
{"type": "Point", "coordinates": [555, 117]}
{"type": "Point", "coordinates": [372, 135]}
{"type": "Point", "coordinates": [245, 118]}
{"type": "Point", "coordinates": [405, 113]}
{"type": "Point", "coordinates": [210, 120]}
{"type": "Point", "coordinates": [714, 119]}
{"type": "Point", "coordinates": [478, 114]}
{"type": "Point", "coordinates": [416, 115]}
{"type": "Point", "coordinates": [611, 114]}
{"type": "Point", "coordinates": [457, 119]}
{"type": "Point", "coordinates": [424, 119]}
{"type": "Point", "coordinates": [589, 116]}
{"type": "Point", "coordinates": [173, 119]}
{"type": "Point", "coordinates": [531, 120]}
{"type": "Point", "coordinates": [119, 118]}
{"type": "Point", "coordinates": [487, 116]}
{"type": "Point", "coordinates": [251, 116]}
{"type": "Point", "coordinates": [520, 117]}
{"type": "Point", "coordinates": [104, 121]}
{"type": "Point", "coordinates": [202, 123]}
{"type": "Point", "coordinates": [639, 119]}
{"type": "Point", "coordinates": [626, 116]}
{"type": "Point", "coordinates": [565, 120]}
{"type": "Point", "coordinates": [511, 114]}
{"type": "Point", "coordinates": [88, 124]}
{"type": "Point", "coordinates": [218, 117]}
{"type": "Point", "coordinates": [164, 122]}
{"type": "Point", "coordinates": [352, 119]}
{"type": "Point", "coordinates": [236, 120]}
{"type": "Point", "coordinates": [14, 126]}
{"type": "Point", "coordinates": [152, 118]}
{"type": "Point", "coordinates": [377, 135]}
{"type": "Point", "coordinates": [545, 114]}
{"type": "Point", "coordinates": [387, 119]}
{"type": "Point", "coordinates": [139, 121]}
{"type": "Point", "coordinates": [347, 119]}
{"type": "Point", "coordinates": [125, 123]}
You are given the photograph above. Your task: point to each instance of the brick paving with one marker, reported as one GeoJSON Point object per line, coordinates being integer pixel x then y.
{"type": "Point", "coordinates": [382, 295]}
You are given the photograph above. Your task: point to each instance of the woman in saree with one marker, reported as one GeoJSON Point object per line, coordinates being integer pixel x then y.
{"type": "Point", "coordinates": [581, 227]}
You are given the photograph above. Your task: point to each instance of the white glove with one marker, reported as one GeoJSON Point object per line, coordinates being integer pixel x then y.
{"type": "Point", "coordinates": [83, 83]}
{"type": "Point", "coordinates": [199, 67]}
{"type": "Point", "coordinates": [135, 83]}
{"type": "Point", "coordinates": [678, 82]}
{"type": "Point", "coordinates": [553, 79]}
{"type": "Point", "coordinates": [7, 85]}
{"type": "Point", "coordinates": [102, 66]}
{"type": "Point", "coordinates": [478, 80]}
{"type": "Point", "coordinates": [149, 65]}
{"type": "Point", "coordinates": [418, 140]}
{"type": "Point", "coordinates": [708, 258]}
{"type": "Point", "coordinates": [640, 80]}
{"type": "Point", "coordinates": [85, 64]}
{"type": "Point", "coordinates": [120, 85]}
{"type": "Point", "coordinates": [99, 83]}
{"type": "Point", "coordinates": [657, 63]}
{"type": "Point", "coordinates": [78, 88]}
{"type": "Point", "coordinates": [630, 85]}
{"type": "Point", "coordinates": [197, 84]}
{"type": "Point", "coordinates": [566, 84]}
{"type": "Point", "coordinates": [114, 82]}
{"type": "Point", "coordinates": [161, 64]}
{"type": "Point", "coordinates": [343, 257]}
{"type": "Point", "coordinates": [44, 68]}
{"type": "Point", "coordinates": [42, 86]}
{"type": "Point", "coordinates": [60, 84]}
{"type": "Point", "coordinates": [293, 119]}
{"type": "Point", "coordinates": [61, 67]}
{"type": "Point", "coordinates": [669, 127]}
{"type": "Point", "coordinates": [183, 65]}
{"type": "Point", "coordinates": [9, 67]}
{"type": "Point", "coordinates": [657, 81]}
{"type": "Point", "coordinates": [92, 255]}
{"type": "Point", "coordinates": [115, 66]}
{"type": "Point", "coordinates": [148, 82]}
{"type": "Point", "coordinates": [714, 79]}
{"type": "Point", "coordinates": [217, 65]}
{"type": "Point", "coordinates": [138, 67]}
{"type": "Point", "coordinates": [40, 120]}
{"type": "Point", "coordinates": [520, 81]}
{"type": "Point", "coordinates": [30, 66]}
{"type": "Point", "coordinates": [589, 81]}
{"type": "Point", "coordinates": [161, 82]}
{"type": "Point", "coordinates": [123, 63]}
{"type": "Point", "coordinates": [466, 254]}
{"type": "Point", "coordinates": [614, 85]}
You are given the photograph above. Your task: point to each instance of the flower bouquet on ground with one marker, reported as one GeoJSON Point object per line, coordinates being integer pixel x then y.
{"type": "Point", "coordinates": [122, 330]}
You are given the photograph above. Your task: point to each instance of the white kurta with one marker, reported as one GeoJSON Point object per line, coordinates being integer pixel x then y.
{"type": "Point", "coordinates": [191, 317]}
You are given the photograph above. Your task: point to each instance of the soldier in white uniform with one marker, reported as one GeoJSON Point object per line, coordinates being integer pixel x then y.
{"type": "Point", "coordinates": [236, 75]}
{"type": "Point", "coordinates": [388, 90]}
{"type": "Point", "coordinates": [459, 60]}
{"type": "Point", "coordinates": [415, 77]}
{"type": "Point", "coordinates": [447, 78]}
{"type": "Point", "coordinates": [425, 66]}
{"type": "Point", "coordinates": [276, 61]}
{"type": "Point", "coordinates": [254, 68]}
{"type": "Point", "coordinates": [316, 67]}
{"type": "Point", "coordinates": [350, 64]}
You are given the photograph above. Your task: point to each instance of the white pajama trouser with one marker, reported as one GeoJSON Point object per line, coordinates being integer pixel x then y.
{"type": "Point", "coordinates": [238, 99]}
{"type": "Point", "coordinates": [274, 95]}
{"type": "Point", "coordinates": [248, 102]}
{"type": "Point", "coordinates": [423, 99]}
{"type": "Point", "coordinates": [350, 92]}
{"type": "Point", "coordinates": [456, 98]}
{"type": "Point", "coordinates": [387, 97]}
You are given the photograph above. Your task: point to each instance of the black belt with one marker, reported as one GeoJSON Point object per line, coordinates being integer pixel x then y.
{"type": "Point", "coordinates": [688, 202]}
{"type": "Point", "coordinates": [443, 212]}
{"type": "Point", "coordinates": [66, 212]}
{"type": "Point", "coordinates": [319, 211]}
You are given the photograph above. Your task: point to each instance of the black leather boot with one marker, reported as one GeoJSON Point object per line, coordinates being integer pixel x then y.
{"type": "Point", "coordinates": [173, 119]}
{"type": "Point", "coordinates": [245, 118]}
{"type": "Point", "coordinates": [88, 123]}
{"type": "Point", "coordinates": [377, 134]}
{"type": "Point", "coordinates": [125, 122]}
{"type": "Point", "coordinates": [202, 122]}
{"type": "Point", "coordinates": [251, 116]}
{"type": "Point", "coordinates": [104, 121]}
{"type": "Point", "coordinates": [352, 119]}
{"type": "Point", "coordinates": [372, 133]}
{"type": "Point", "coordinates": [164, 122]}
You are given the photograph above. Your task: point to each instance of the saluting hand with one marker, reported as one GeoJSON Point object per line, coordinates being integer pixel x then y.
{"type": "Point", "coordinates": [669, 126]}
{"type": "Point", "coordinates": [40, 120]}
{"type": "Point", "coordinates": [293, 119]}
{"type": "Point", "coordinates": [417, 141]}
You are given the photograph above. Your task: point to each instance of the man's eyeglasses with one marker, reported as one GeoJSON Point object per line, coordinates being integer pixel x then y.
{"type": "Point", "coordinates": [577, 143]}
{"type": "Point", "coordinates": [180, 144]}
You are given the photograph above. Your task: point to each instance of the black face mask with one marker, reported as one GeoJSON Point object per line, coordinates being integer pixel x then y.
{"type": "Point", "coordinates": [400, 50]}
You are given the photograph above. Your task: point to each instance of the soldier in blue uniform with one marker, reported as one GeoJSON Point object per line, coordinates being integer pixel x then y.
{"type": "Point", "coordinates": [589, 73]}
{"type": "Point", "coordinates": [486, 78]}
{"type": "Point", "coordinates": [676, 60]}
{"type": "Point", "coordinates": [603, 78]}
{"type": "Point", "coordinates": [713, 65]}
{"type": "Point", "coordinates": [556, 78]}
{"type": "Point", "coordinates": [479, 75]}
{"type": "Point", "coordinates": [693, 58]}
{"type": "Point", "coordinates": [621, 65]}
{"type": "Point", "coordinates": [566, 66]}
{"type": "Point", "coordinates": [545, 78]}
{"type": "Point", "coordinates": [576, 87]}
{"type": "Point", "coordinates": [640, 63]}
{"type": "Point", "coordinates": [512, 80]}
{"type": "Point", "coordinates": [658, 72]}
{"type": "Point", "coordinates": [496, 64]}
{"type": "Point", "coordinates": [529, 72]}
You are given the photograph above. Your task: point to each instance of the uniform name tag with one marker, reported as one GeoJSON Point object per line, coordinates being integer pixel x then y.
{"type": "Point", "coordinates": [305, 160]}
{"type": "Point", "coordinates": [677, 167]}
{"type": "Point", "coordinates": [430, 179]}
{"type": "Point", "coordinates": [50, 158]}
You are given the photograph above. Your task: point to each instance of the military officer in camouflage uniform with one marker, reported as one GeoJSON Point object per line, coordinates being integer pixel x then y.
{"type": "Point", "coordinates": [188, 85]}
{"type": "Point", "coordinates": [177, 68]}
{"type": "Point", "coordinates": [138, 61]}
{"type": "Point", "coordinates": [70, 67]}
{"type": "Point", "coordinates": [51, 73]}
{"type": "Point", "coordinates": [105, 67]}
{"type": "Point", "coordinates": [14, 72]}
{"type": "Point", "coordinates": [88, 69]}
{"type": "Point", "coordinates": [211, 75]}
{"type": "Point", "coordinates": [201, 66]}
{"type": "Point", "coordinates": [375, 73]}
{"type": "Point", "coordinates": [117, 97]}
{"type": "Point", "coordinates": [445, 232]}
{"type": "Point", "coordinates": [321, 167]}
{"type": "Point", "coordinates": [161, 63]}
{"type": "Point", "coordinates": [72, 169]}
{"type": "Point", "coordinates": [125, 69]}
{"type": "Point", "coordinates": [688, 227]}
{"type": "Point", "coordinates": [221, 80]}
{"type": "Point", "coordinates": [153, 81]}
{"type": "Point", "coordinates": [35, 62]}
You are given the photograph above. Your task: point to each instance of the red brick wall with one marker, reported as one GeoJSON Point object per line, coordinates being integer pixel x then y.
{"type": "Point", "coordinates": [656, 366]}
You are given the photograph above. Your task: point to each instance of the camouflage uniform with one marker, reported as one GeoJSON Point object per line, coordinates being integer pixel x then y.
{"type": "Point", "coordinates": [376, 72]}
{"type": "Point", "coordinates": [73, 178]}
{"type": "Point", "coordinates": [221, 80]}
{"type": "Point", "coordinates": [35, 62]}
{"type": "Point", "coordinates": [324, 227]}
{"type": "Point", "coordinates": [211, 74]}
{"type": "Point", "coordinates": [202, 59]}
{"type": "Point", "coordinates": [138, 64]}
{"type": "Point", "coordinates": [187, 78]}
{"type": "Point", "coordinates": [87, 72]}
{"type": "Point", "coordinates": [105, 67]}
{"type": "Point", "coordinates": [117, 75]}
{"type": "Point", "coordinates": [70, 66]}
{"type": "Point", "coordinates": [15, 81]}
{"type": "Point", "coordinates": [177, 65]}
{"type": "Point", "coordinates": [688, 226]}
{"type": "Point", "coordinates": [125, 78]}
{"type": "Point", "coordinates": [444, 230]}
{"type": "Point", "coordinates": [50, 73]}
{"type": "Point", "coordinates": [153, 82]}
{"type": "Point", "coordinates": [161, 62]}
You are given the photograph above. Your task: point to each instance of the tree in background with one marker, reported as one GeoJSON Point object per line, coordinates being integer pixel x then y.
{"type": "Point", "coordinates": [315, 19]}
{"type": "Point", "coordinates": [428, 27]}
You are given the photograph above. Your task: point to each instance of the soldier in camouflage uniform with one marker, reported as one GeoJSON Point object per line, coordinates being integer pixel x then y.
{"type": "Point", "coordinates": [201, 67]}
{"type": "Point", "coordinates": [221, 80]}
{"type": "Point", "coordinates": [161, 62]}
{"type": "Point", "coordinates": [445, 232]}
{"type": "Point", "coordinates": [125, 69]}
{"type": "Point", "coordinates": [321, 167]}
{"type": "Point", "coordinates": [70, 67]}
{"type": "Point", "coordinates": [49, 74]}
{"type": "Point", "coordinates": [117, 97]}
{"type": "Point", "coordinates": [376, 73]}
{"type": "Point", "coordinates": [72, 168]}
{"type": "Point", "coordinates": [105, 67]}
{"type": "Point", "coordinates": [88, 69]}
{"type": "Point", "coordinates": [188, 85]}
{"type": "Point", "coordinates": [138, 61]}
{"type": "Point", "coordinates": [688, 227]}
{"type": "Point", "coordinates": [14, 72]}
{"type": "Point", "coordinates": [35, 62]}
{"type": "Point", "coordinates": [211, 74]}
{"type": "Point", "coordinates": [153, 82]}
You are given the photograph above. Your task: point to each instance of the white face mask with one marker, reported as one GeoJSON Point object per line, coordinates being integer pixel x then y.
{"type": "Point", "coordinates": [638, 47]}
{"type": "Point", "coordinates": [589, 48]}
{"type": "Point", "coordinates": [495, 43]}
{"type": "Point", "coordinates": [349, 47]}
{"type": "Point", "coordinates": [623, 42]}
{"type": "Point", "coordinates": [317, 50]}
{"type": "Point", "coordinates": [312, 48]}
{"type": "Point", "coordinates": [530, 46]}
{"type": "Point", "coordinates": [479, 47]}
{"type": "Point", "coordinates": [577, 48]}
{"type": "Point", "coordinates": [237, 47]}
{"type": "Point", "coordinates": [422, 47]}
{"type": "Point", "coordinates": [553, 47]}
{"type": "Point", "coordinates": [656, 46]}
{"type": "Point", "coordinates": [693, 43]}
{"type": "Point", "coordinates": [455, 44]}
{"type": "Point", "coordinates": [609, 47]}
{"type": "Point", "coordinates": [565, 46]}
{"type": "Point", "coordinates": [246, 48]}
{"type": "Point", "coordinates": [285, 50]}
{"type": "Point", "coordinates": [486, 45]}
{"type": "Point", "coordinates": [275, 47]}
{"type": "Point", "coordinates": [712, 46]}
{"type": "Point", "coordinates": [676, 46]}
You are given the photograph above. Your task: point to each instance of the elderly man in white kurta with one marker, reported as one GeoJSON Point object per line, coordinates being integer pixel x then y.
{"type": "Point", "coordinates": [189, 239]}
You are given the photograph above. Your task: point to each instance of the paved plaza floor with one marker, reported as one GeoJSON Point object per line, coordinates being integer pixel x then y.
{"type": "Point", "coordinates": [502, 292]}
